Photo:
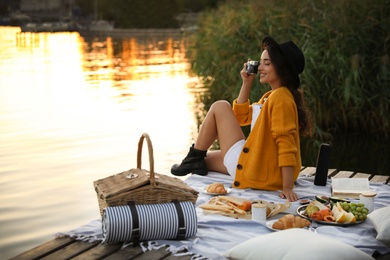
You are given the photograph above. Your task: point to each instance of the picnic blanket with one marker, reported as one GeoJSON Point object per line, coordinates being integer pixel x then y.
{"type": "Point", "coordinates": [217, 233]}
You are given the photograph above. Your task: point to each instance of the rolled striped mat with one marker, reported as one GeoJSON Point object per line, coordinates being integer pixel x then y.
{"type": "Point", "coordinates": [133, 223]}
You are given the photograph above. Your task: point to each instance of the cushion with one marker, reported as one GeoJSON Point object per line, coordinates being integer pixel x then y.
{"type": "Point", "coordinates": [294, 243]}
{"type": "Point", "coordinates": [380, 218]}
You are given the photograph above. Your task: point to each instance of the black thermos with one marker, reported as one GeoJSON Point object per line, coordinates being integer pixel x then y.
{"type": "Point", "coordinates": [321, 176]}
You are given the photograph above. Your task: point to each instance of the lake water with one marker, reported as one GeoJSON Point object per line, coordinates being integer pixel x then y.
{"type": "Point", "coordinates": [72, 110]}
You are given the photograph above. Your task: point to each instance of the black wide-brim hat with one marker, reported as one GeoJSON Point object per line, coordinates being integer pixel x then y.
{"type": "Point", "coordinates": [293, 55]}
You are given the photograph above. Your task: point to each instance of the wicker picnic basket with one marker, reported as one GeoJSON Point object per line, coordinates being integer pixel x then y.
{"type": "Point", "coordinates": [141, 186]}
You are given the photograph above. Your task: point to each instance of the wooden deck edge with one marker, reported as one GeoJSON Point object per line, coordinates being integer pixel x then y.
{"type": "Point", "coordinates": [45, 249]}
{"type": "Point", "coordinates": [310, 171]}
{"type": "Point", "coordinates": [72, 250]}
{"type": "Point", "coordinates": [69, 248]}
{"type": "Point", "coordinates": [101, 250]}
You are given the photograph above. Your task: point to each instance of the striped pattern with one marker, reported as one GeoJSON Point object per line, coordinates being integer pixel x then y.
{"type": "Point", "coordinates": [156, 221]}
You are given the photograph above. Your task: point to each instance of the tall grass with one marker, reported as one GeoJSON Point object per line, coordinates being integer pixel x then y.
{"type": "Point", "coordinates": [346, 81]}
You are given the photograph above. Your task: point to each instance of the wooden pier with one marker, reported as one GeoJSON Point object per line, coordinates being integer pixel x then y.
{"type": "Point", "coordinates": [333, 173]}
{"type": "Point", "coordinates": [68, 248]}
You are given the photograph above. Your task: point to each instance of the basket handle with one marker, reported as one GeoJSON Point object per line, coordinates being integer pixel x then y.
{"type": "Point", "coordinates": [151, 160]}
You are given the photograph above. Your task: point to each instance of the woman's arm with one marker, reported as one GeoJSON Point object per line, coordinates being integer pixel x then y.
{"type": "Point", "coordinates": [246, 86]}
{"type": "Point", "coordinates": [287, 192]}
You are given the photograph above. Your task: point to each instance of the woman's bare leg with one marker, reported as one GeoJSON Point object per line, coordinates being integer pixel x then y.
{"type": "Point", "coordinates": [214, 162]}
{"type": "Point", "coordinates": [220, 123]}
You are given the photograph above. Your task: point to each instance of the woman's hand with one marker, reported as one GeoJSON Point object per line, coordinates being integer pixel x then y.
{"type": "Point", "coordinates": [287, 191]}
{"type": "Point", "coordinates": [288, 194]}
{"type": "Point", "coordinates": [246, 86]}
{"type": "Point", "coordinates": [247, 78]}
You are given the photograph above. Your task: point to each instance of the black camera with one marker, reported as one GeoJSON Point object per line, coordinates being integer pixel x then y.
{"type": "Point", "coordinates": [252, 67]}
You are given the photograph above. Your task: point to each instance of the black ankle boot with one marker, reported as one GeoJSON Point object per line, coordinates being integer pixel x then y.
{"type": "Point", "coordinates": [194, 162]}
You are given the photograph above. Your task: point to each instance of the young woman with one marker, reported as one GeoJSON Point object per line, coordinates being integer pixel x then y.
{"type": "Point", "coordinates": [269, 159]}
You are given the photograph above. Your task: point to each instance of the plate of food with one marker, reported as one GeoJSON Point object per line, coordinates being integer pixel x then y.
{"type": "Point", "coordinates": [228, 190]}
{"type": "Point", "coordinates": [286, 222]}
{"type": "Point", "coordinates": [216, 189]}
{"type": "Point", "coordinates": [270, 223]}
{"type": "Point", "coordinates": [229, 206]}
{"type": "Point", "coordinates": [333, 215]}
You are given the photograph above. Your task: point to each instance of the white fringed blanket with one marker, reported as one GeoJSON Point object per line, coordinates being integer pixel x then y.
{"type": "Point", "coordinates": [216, 234]}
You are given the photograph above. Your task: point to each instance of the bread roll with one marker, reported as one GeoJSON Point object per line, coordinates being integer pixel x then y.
{"type": "Point", "coordinates": [290, 221]}
{"type": "Point", "coordinates": [216, 207]}
{"type": "Point", "coordinates": [216, 188]}
{"type": "Point", "coordinates": [233, 200]}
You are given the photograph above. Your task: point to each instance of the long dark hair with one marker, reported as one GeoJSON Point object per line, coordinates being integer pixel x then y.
{"type": "Point", "coordinates": [289, 80]}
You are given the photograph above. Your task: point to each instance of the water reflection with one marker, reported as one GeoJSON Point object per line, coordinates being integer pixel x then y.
{"type": "Point", "coordinates": [72, 110]}
{"type": "Point", "coordinates": [133, 60]}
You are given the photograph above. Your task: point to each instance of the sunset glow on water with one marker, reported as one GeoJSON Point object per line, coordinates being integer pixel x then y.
{"type": "Point", "coordinates": [72, 111]}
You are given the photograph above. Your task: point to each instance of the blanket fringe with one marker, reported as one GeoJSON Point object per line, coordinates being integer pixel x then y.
{"type": "Point", "coordinates": [91, 232]}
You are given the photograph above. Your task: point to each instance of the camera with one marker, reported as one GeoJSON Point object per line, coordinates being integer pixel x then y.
{"type": "Point", "coordinates": [252, 67]}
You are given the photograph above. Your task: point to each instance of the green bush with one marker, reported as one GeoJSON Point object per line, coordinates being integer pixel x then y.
{"type": "Point", "coordinates": [346, 81]}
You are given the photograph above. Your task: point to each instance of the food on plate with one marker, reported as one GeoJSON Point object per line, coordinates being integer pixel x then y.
{"type": "Point", "coordinates": [217, 207]}
{"type": "Point", "coordinates": [320, 205]}
{"type": "Point", "coordinates": [231, 200]}
{"type": "Point", "coordinates": [329, 218]}
{"type": "Point", "coordinates": [317, 216]}
{"type": "Point", "coordinates": [240, 207]}
{"type": "Point", "coordinates": [337, 199]}
{"type": "Point", "coordinates": [340, 212]}
{"type": "Point", "coordinates": [315, 206]}
{"type": "Point", "coordinates": [217, 188]}
{"type": "Point", "coordinates": [246, 205]}
{"type": "Point", "coordinates": [341, 215]}
{"type": "Point", "coordinates": [326, 212]}
{"type": "Point", "coordinates": [225, 204]}
{"type": "Point", "coordinates": [290, 221]}
{"type": "Point", "coordinates": [357, 209]}
{"type": "Point", "coordinates": [304, 202]}
{"type": "Point", "coordinates": [318, 211]}
{"type": "Point", "coordinates": [322, 198]}
{"type": "Point", "coordinates": [310, 209]}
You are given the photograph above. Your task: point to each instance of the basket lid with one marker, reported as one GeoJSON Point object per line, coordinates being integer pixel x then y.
{"type": "Point", "coordinates": [121, 182]}
{"type": "Point", "coordinates": [135, 178]}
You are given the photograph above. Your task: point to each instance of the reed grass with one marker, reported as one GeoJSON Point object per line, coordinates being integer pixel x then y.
{"type": "Point", "coordinates": [346, 81]}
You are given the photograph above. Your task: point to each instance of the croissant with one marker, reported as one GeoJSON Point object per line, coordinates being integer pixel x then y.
{"type": "Point", "coordinates": [290, 221]}
{"type": "Point", "coordinates": [216, 188]}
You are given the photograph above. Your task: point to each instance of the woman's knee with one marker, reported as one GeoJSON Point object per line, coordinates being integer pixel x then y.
{"type": "Point", "coordinates": [221, 105]}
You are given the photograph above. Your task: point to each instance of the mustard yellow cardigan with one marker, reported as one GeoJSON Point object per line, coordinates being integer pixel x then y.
{"type": "Point", "coordinates": [274, 141]}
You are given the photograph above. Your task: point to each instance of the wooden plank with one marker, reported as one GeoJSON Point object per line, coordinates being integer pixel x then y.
{"type": "Point", "coordinates": [343, 174]}
{"type": "Point", "coordinates": [161, 253]}
{"type": "Point", "coordinates": [71, 250]}
{"type": "Point", "coordinates": [129, 252]}
{"type": "Point", "coordinates": [380, 178]}
{"type": "Point", "coordinates": [331, 172]}
{"type": "Point", "coordinates": [362, 175]}
{"type": "Point", "coordinates": [308, 171]}
{"type": "Point", "coordinates": [45, 249]}
{"type": "Point", "coordinates": [100, 251]}
{"type": "Point", "coordinates": [311, 171]}
{"type": "Point", "coordinates": [182, 257]}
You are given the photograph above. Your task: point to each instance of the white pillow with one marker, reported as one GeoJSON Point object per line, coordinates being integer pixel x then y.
{"type": "Point", "coordinates": [380, 218]}
{"type": "Point", "coordinates": [295, 243]}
